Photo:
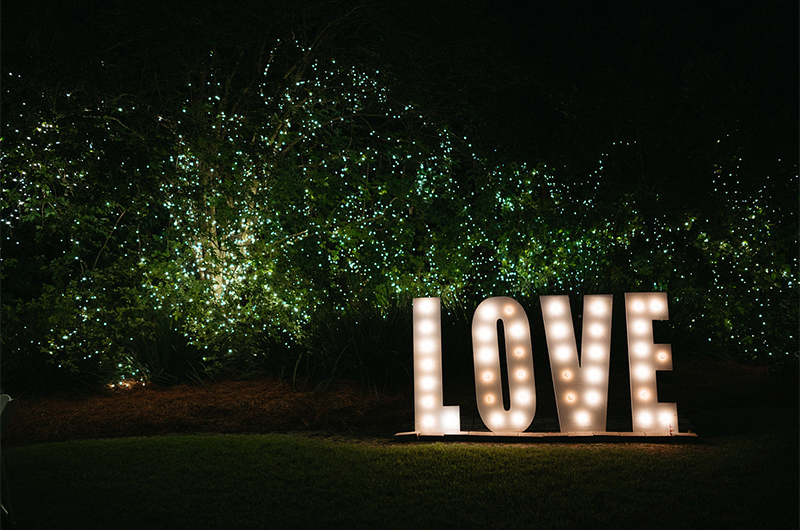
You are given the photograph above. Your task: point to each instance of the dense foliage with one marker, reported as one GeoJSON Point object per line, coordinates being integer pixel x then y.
{"type": "Point", "coordinates": [280, 211]}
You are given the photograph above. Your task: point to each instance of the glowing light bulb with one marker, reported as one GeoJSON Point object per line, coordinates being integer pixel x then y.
{"type": "Point", "coordinates": [594, 375]}
{"type": "Point", "coordinates": [497, 419]}
{"type": "Point", "coordinates": [485, 333]}
{"type": "Point", "coordinates": [563, 353]}
{"type": "Point", "coordinates": [567, 375]}
{"type": "Point", "coordinates": [582, 418]}
{"type": "Point", "coordinates": [521, 374]}
{"type": "Point", "coordinates": [570, 397]}
{"type": "Point", "coordinates": [428, 306]}
{"type": "Point", "coordinates": [487, 376]}
{"type": "Point", "coordinates": [646, 418]}
{"type": "Point", "coordinates": [596, 351]}
{"type": "Point", "coordinates": [517, 330]}
{"type": "Point", "coordinates": [523, 397]}
{"type": "Point", "coordinates": [486, 355]}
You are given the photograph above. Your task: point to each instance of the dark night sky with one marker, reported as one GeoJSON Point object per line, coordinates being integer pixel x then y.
{"type": "Point", "coordinates": [543, 81]}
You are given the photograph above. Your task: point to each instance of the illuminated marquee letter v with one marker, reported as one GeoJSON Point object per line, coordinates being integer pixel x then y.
{"type": "Point", "coordinates": [581, 386]}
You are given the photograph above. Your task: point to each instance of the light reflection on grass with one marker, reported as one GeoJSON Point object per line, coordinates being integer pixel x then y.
{"type": "Point", "coordinates": [303, 481]}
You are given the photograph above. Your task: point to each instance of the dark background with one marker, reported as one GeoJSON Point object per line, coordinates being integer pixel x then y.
{"type": "Point", "coordinates": [664, 92]}
{"type": "Point", "coordinates": [558, 82]}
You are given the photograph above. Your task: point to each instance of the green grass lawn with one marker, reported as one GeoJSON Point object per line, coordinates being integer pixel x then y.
{"type": "Point", "coordinates": [281, 481]}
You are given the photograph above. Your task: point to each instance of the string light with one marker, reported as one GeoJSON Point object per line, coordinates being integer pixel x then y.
{"type": "Point", "coordinates": [321, 192]}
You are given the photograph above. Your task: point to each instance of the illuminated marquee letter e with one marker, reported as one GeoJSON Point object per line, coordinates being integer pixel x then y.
{"type": "Point", "coordinates": [644, 359]}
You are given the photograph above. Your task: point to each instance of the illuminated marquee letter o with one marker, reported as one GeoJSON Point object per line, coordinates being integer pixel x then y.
{"type": "Point", "coordinates": [486, 353]}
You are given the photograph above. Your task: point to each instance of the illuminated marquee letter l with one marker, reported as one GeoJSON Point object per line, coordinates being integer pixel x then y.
{"type": "Point", "coordinates": [430, 415]}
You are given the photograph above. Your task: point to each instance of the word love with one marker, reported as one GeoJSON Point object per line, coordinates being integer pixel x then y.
{"type": "Point", "coordinates": [580, 383]}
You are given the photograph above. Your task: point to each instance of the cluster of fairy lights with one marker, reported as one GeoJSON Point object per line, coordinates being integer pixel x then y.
{"type": "Point", "coordinates": [358, 177]}
{"type": "Point", "coordinates": [348, 213]}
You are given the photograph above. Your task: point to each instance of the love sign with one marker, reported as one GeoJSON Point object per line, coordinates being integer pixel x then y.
{"type": "Point", "coordinates": [580, 382]}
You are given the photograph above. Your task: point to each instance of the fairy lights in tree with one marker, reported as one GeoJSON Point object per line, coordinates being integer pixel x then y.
{"type": "Point", "coordinates": [239, 213]}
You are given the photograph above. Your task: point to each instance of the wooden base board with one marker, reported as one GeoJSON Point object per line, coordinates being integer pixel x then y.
{"type": "Point", "coordinates": [549, 437]}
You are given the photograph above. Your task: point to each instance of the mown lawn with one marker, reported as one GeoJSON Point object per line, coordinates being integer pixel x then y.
{"type": "Point", "coordinates": [747, 480]}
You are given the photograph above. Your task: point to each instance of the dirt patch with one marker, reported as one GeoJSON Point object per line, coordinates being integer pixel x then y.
{"type": "Point", "coordinates": [259, 406]}
{"type": "Point", "coordinates": [704, 388]}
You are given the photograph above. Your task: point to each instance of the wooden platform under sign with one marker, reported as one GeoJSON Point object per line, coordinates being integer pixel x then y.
{"type": "Point", "coordinates": [550, 437]}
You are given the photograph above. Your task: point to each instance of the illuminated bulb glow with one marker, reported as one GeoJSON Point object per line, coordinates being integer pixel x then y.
{"type": "Point", "coordinates": [486, 355]}
{"type": "Point", "coordinates": [589, 376]}
{"type": "Point", "coordinates": [430, 415]}
{"type": "Point", "coordinates": [564, 353]}
{"type": "Point", "coordinates": [594, 375]}
{"type": "Point", "coordinates": [644, 359]}
{"type": "Point", "coordinates": [523, 397]}
{"type": "Point", "coordinates": [522, 390]}
{"type": "Point", "coordinates": [593, 397]}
